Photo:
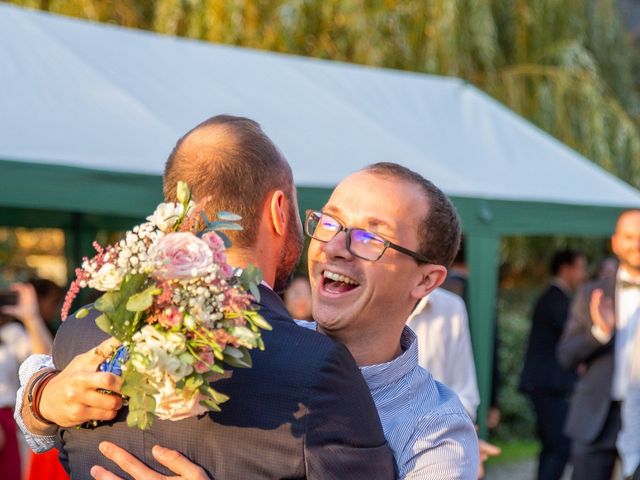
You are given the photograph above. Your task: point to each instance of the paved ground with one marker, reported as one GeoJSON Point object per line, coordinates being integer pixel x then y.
{"type": "Point", "coordinates": [522, 470]}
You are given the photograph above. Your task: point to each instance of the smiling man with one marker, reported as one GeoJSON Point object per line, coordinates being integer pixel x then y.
{"type": "Point", "coordinates": [380, 244]}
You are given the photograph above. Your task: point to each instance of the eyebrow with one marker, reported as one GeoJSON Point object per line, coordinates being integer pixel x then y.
{"type": "Point", "coordinates": [370, 221]}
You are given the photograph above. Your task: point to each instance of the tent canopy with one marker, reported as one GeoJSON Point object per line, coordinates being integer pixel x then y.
{"type": "Point", "coordinates": [89, 113]}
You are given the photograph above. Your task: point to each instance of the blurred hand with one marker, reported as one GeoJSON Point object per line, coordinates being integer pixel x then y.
{"type": "Point", "coordinates": [26, 309]}
{"type": "Point", "coordinates": [486, 450]}
{"type": "Point", "coordinates": [71, 397]}
{"type": "Point", "coordinates": [493, 417]}
{"type": "Point", "coordinates": [602, 314]}
{"type": "Point", "coordinates": [178, 464]}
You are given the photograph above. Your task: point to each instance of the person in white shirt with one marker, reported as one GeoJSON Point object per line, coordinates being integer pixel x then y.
{"type": "Point", "coordinates": [444, 345]}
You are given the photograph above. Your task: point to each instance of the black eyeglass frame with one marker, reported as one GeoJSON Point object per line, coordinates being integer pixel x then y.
{"type": "Point", "coordinates": [387, 243]}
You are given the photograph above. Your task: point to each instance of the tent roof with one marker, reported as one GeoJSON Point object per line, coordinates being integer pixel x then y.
{"type": "Point", "coordinates": [101, 97]}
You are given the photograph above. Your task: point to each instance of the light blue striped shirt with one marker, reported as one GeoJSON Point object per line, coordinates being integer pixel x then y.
{"type": "Point", "coordinates": [426, 426]}
{"type": "Point", "coordinates": [424, 422]}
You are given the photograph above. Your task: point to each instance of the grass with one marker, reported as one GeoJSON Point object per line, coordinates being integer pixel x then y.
{"type": "Point", "coordinates": [515, 451]}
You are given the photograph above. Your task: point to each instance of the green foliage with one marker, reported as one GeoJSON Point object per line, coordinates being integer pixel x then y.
{"type": "Point", "coordinates": [140, 399]}
{"type": "Point", "coordinates": [117, 319]}
{"type": "Point", "coordinates": [250, 278]}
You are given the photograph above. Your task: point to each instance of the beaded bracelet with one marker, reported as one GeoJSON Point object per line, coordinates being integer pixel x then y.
{"type": "Point", "coordinates": [35, 393]}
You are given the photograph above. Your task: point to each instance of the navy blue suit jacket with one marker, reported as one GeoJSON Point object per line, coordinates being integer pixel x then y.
{"type": "Point", "coordinates": [302, 411]}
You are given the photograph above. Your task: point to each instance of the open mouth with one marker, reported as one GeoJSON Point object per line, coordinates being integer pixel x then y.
{"type": "Point", "coordinates": [337, 283]}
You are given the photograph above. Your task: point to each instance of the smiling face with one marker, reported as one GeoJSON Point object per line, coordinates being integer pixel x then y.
{"type": "Point", "coordinates": [357, 298]}
{"type": "Point", "coordinates": [625, 242]}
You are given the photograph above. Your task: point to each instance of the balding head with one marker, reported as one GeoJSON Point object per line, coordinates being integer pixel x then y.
{"type": "Point", "coordinates": [625, 242]}
{"type": "Point", "coordinates": [229, 164]}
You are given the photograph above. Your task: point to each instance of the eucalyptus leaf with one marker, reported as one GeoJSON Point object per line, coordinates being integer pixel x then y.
{"type": "Point", "coordinates": [222, 225]}
{"type": "Point", "coordinates": [108, 301]}
{"type": "Point", "coordinates": [229, 217]}
{"type": "Point", "coordinates": [104, 324]}
{"type": "Point", "coordinates": [140, 302]}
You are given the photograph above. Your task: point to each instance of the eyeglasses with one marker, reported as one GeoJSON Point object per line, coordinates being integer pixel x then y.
{"type": "Point", "coordinates": [360, 243]}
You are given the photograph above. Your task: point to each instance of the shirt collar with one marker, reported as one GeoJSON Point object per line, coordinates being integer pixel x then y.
{"type": "Point", "coordinates": [383, 374]}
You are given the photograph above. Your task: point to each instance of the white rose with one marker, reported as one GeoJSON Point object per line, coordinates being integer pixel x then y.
{"type": "Point", "coordinates": [172, 405]}
{"type": "Point", "coordinates": [166, 215]}
{"type": "Point", "coordinates": [175, 343]}
{"type": "Point", "coordinates": [107, 278]}
{"type": "Point", "coordinates": [149, 336]}
{"type": "Point", "coordinates": [177, 369]}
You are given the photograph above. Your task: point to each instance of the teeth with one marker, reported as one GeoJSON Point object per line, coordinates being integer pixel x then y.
{"type": "Point", "coordinates": [339, 278]}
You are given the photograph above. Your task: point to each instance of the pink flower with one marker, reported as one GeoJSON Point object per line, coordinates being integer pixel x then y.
{"type": "Point", "coordinates": [206, 360]}
{"type": "Point", "coordinates": [182, 256]}
{"type": "Point", "coordinates": [170, 317]}
{"type": "Point", "coordinates": [214, 241]}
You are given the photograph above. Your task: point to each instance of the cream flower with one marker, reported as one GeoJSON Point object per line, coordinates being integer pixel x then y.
{"type": "Point", "coordinates": [107, 278]}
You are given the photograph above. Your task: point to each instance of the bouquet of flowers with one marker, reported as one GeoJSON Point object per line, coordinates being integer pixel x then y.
{"type": "Point", "coordinates": [178, 308]}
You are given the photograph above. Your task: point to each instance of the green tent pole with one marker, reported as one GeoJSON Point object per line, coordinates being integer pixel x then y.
{"type": "Point", "coordinates": [482, 251]}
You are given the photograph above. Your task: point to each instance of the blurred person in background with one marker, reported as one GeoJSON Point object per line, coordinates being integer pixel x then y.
{"type": "Point", "coordinates": [543, 379]}
{"type": "Point", "coordinates": [297, 298]}
{"type": "Point", "coordinates": [602, 343]}
{"type": "Point", "coordinates": [50, 297]}
{"type": "Point", "coordinates": [22, 332]}
{"type": "Point", "coordinates": [441, 324]}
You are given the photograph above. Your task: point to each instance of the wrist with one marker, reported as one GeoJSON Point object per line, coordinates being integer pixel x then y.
{"type": "Point", "coordinates": [35, 394]}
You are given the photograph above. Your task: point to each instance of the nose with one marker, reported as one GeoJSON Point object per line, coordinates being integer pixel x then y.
{"type": "Point", "coordinates": [337, 247]}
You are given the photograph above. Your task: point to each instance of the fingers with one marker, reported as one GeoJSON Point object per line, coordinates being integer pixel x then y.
{"type": "Point", "coordinates": [102, 352]}
{"type": "Point", "coordinates": [178, 464]}
{"type": "Point", "coordinates": [100, 473]}
{"type": "Point", "coordinates": [128, 462]}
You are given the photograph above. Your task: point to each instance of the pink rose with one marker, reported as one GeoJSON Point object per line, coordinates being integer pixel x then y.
{"type": "Point", "coordinates": [214, 241]}
{"type": "Point", "coordinates": [182, 256]}
{"type": "Point", "coordinates": [171, 405]}
{"type": "Point", "coordinates": [170, 317]}
{"type": "Point", "coordinates": [202, 366]}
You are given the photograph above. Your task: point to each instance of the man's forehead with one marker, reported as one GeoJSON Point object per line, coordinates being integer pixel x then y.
{"type": "Point", "coordinates": [629, 222]}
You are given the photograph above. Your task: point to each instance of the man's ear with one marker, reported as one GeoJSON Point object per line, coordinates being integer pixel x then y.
{"type": "Point", "coordinates": [430, 277]}
{"type": "Point", "coordinates": [278, 211]}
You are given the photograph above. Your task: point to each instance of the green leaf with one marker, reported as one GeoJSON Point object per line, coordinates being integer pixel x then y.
{"type": "Point", "coordinates": [259, 321]}
{"type": "Point", "coordinates": [237, 357]}
{"type": "Point", "coordinates": [217, 396]}
{"type": "Point", "coordinates": [220, 225]}
{"type": "Point", "coordinates": [229, 217]}
{"type": "Point", "coordinates": [104, 324]}
{"type": "Point", "coordinates": [83, 312]}
{"type": "Point", "coordinates": [108, 302]}
{"type": "Point", "coordinates": [225, 239]}
{"type": "Point", "coordinates": [143, 300]}
{"type": "Point", "coordinates": [210, 405]}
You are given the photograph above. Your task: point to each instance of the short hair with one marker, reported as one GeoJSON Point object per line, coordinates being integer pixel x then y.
{"type": "Point", "coordinates": [235, 172]}
{"type": "Point", "coordinates": [44, 287]}
{"type": "Point", "coordinates": [563, 257]}
{"type": "Point", "coordinates": [440, 231]}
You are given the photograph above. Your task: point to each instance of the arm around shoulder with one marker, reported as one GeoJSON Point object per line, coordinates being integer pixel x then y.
{"type": "Point", "coordinates": [344, 437]}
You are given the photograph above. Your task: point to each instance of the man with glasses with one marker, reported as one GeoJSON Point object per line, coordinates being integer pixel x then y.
{"type": "Point", "coordinates": [380, 244]}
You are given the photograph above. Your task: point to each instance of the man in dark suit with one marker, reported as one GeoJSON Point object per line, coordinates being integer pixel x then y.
{"type": "Point", "coordinates": [543, 379]}
{"type": "Point", "coordinates": [602, 344]}
{"type": "Point", "coordinates": [302, 411]}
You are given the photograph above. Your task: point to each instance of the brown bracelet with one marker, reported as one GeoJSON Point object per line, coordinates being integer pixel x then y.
{"type": "Point", "coordinates": [35, 394]}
